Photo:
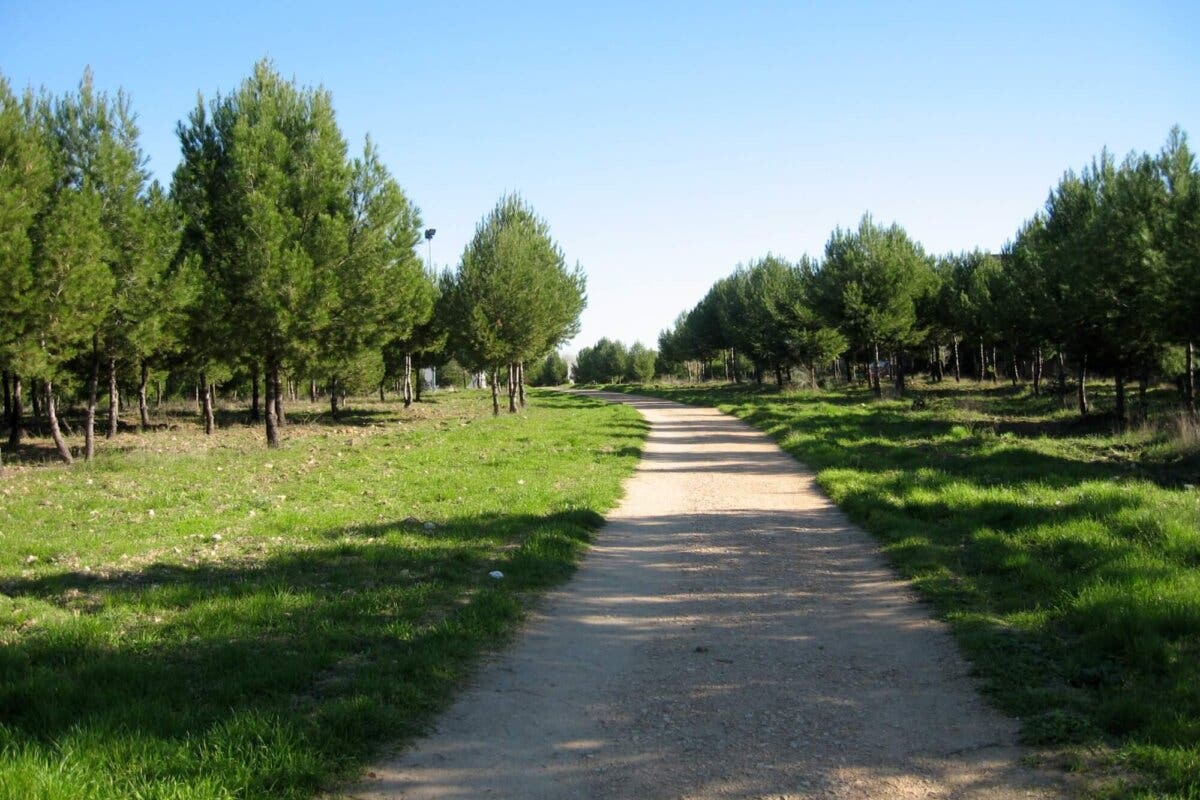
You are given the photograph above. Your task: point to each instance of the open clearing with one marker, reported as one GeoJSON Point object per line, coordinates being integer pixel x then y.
{"type": "Point", "coordinates": [731, 634]}
{"type": "Point", "coordinates": [198, 617]}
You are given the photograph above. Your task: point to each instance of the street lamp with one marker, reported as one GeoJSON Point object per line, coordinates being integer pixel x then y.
{"type": "Point", "coordinates": [429, 233]}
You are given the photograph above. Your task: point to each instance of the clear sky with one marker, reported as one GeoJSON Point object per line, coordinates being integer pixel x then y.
{"type": "Point", "coordinates": [667, 142]}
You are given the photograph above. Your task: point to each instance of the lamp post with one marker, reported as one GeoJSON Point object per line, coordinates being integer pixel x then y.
{"type": "Point", "coordinates": [429, 234]}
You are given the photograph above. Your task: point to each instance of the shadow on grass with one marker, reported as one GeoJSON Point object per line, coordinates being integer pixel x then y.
{"type": "Point", "coordinates": [295, 666]}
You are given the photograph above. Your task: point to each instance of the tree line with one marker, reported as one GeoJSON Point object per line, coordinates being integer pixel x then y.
{"type": "Point", "coordinates": [610, 361]}
{"type": "Point", "coordinates": [1103, 280]}
{"type": "Point", "coordinates": [274, 258]}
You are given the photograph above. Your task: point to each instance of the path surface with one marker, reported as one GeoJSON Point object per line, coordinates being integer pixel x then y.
{"type": "Point", "coordinates": [730, 635]}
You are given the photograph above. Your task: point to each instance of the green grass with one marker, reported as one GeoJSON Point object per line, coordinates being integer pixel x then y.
{"type": "Point", "coordinates": [193, 617]}
{"type": "Point", "coordinates": [1065, 558]}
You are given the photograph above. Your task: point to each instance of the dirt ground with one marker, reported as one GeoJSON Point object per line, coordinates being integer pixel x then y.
{"type": "Point", "coordinates": [730, 635]}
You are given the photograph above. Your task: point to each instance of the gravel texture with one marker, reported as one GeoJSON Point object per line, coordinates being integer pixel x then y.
{"type": "Point", "coordinates": [730, 635]}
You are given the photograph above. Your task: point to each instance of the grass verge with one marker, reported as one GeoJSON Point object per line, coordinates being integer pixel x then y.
{"type": "Point", "coordinates": [1065, 558]}
{"type": "Point", "coordinates": [197, 617]}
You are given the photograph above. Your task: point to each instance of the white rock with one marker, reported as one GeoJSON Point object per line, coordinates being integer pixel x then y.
{"type": "Point", "coordinates": [496, 574]}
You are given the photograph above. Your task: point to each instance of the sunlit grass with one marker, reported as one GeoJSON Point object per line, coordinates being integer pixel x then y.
{"type": "Point", "coordinates": [217, 620]}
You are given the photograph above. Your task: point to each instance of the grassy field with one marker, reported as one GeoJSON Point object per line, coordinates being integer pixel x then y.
{"type": "Point", "coordinates": [192, 617]}
{"type": "Point", "coordinates": [1066, 558]}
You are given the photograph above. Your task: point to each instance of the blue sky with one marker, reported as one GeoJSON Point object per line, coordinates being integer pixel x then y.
{"type": "Point", "coordinates": [667, 142]}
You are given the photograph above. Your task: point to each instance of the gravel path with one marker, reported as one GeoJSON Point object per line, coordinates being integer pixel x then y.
{"type": "Point", "coordinates": [730, 635]}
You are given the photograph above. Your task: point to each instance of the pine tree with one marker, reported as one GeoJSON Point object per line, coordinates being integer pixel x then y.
{"type": "Point", "coordinates": [513, 297]}
{"type": "Point", "coordinates": [867, 286]}
{"type": "Point", "coordinates": [380, 293]}
{"type": "Point", "coordinates": [265, 187]}
{"type": "Point", "coordinates": [25, 180]}
{"type": "Point", "coordinates": [1179, 235]}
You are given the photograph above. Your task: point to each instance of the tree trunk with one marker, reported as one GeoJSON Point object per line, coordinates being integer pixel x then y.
{"type": "Point", "coordinates": [957, 366]}
{"type": "Point", "coordinates": [1016, 375]}
{"type": "Point", "coordinates": [1143, 387]}
{"type": "Point", "coordinates": [779, 376]}
{"type": "Point", "coordinates": [277, 391]}
{"type": "Point", "coordinates": [157, 394]}
{"type": "Point", "coordinates": [382, 396]}
{"type": "Point", "coordinates": [512, 387]}
{"type": "Point", "coordinates": [143, 408]}
{"type": "Point", "coordinates": [417, 384]}
{"type": "Point", "coordinates": [114, 400]}
{"type": "Point", "coordinates": [521, 382]}
{"type": "Point", "coordinates": [1122, 418]}
{"type": "Point", "coordinates": [875, 385]}
{"type": "Point", "coordinates": [812, 372]}
{"type": "Point", "coordinates": [270, 404]}
{"type": "Point", "coordinates": [1083, 398]}
{"type": "Point", "coordinates": [206, 404]}
{"type": "Point", "coordinates": [406, 384]}
{"type": "Point", "coordinates": [89, 423]}
{"type": "Point", "coordinates": [312, 390]}
{"type": "Point", "coordinates": [64, 452]}
{"type": "Point", "coordinates": [937, 360]}
{"type": "Point", "coordinates": [899, 368]}
{"type": "Point", "coordinates": [995, 365]}
{"type": "Point", "coordinates": [7, 397]}
{"type": "Point", "coordinates": [495, 391]}
{"type": "Point", "coordinates": [254, 392]}
{"type": "Point", "coordinates": [1062, 372]}
{"type": "Point", "coordinates": [36, 401]}
{"type": "Point", "coordinates": [333, 398]}
{"type": "Point", "coordinates": [982, 362]}
{"type": "Point", "coordinates": [1037, 372]}
{"type": "Point", "coordinates": [1189, 380]}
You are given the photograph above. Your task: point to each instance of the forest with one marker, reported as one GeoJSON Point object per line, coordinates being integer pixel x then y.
{"type": "Point", "coordinates": [1103, 281]}
{"type": "Point", "coordinates": [276, 263]}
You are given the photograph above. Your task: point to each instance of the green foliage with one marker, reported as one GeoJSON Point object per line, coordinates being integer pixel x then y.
{"type": "Point", "coordinates": [25, 177]}
{"type": "Point", "coordinates": [265, 187]}
{"type": "Point", "coordinates": [604, 362]}
{"type": "Point", "coordinates": [869, 284]}
{"type": "Point", "coordinates": [1179, 231]}
{"type": "Point", "coordinates": [1106, 275]}
{"type": "Point", "coordinates": [71, 289]}
{"type": "Point", "coordinates": [640, 363]}
{"type": "Point", "coordinates": [97, 137]}
{"type": "Point", "coordinates": [512, 297]}
{"type": "Point", "coordinates": [451, 374]}
{"type": "Point", "coordinates": [380, 294]}
{"type": "Point", "coordinates": [553, 371]}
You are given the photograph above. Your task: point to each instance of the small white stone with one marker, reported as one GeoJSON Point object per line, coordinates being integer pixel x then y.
{"type": "Point", "coordinates": [496, 575]}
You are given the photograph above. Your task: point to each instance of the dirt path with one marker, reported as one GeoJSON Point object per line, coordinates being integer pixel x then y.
{"type": "Point", "coordinates": [730, 635]}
